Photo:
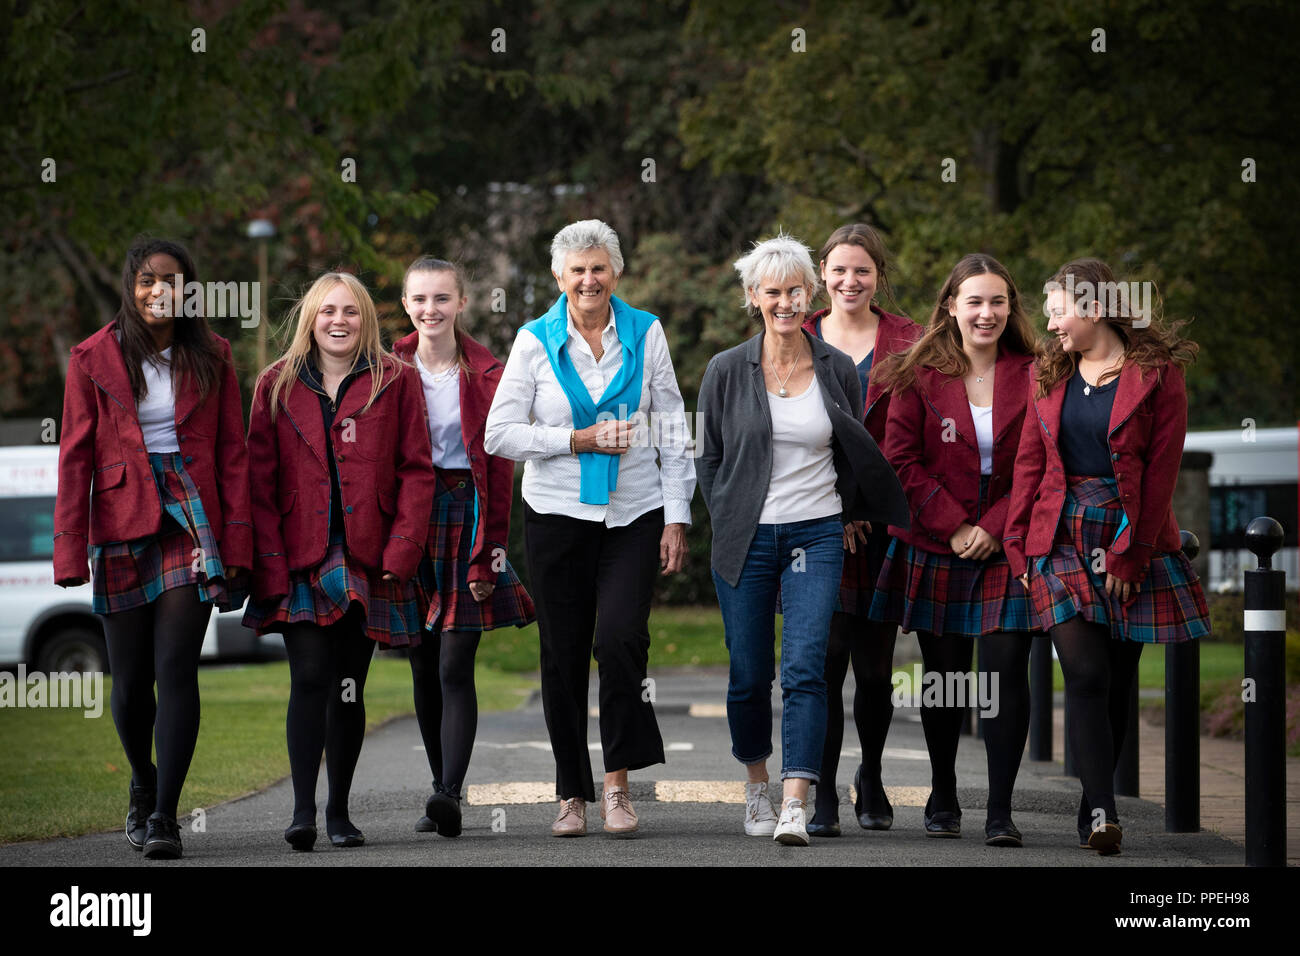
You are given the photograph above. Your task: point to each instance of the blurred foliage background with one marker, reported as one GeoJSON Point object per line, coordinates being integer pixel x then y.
{"type": "Point", "coordinates": [692, 128]}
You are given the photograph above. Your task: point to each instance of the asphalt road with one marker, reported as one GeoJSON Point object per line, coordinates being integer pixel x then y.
{"type": "Point", "coordinates": [392, 782]}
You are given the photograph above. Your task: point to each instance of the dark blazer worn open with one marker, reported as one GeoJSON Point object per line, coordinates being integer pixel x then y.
{"type": "Point", "coordinates": [735, 463]}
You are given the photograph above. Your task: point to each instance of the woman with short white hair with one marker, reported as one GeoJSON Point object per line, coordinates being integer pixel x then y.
{"type": "Point", "coordinates": [791, 478]}
{"type": "Point", "coordinates": [603, 510]}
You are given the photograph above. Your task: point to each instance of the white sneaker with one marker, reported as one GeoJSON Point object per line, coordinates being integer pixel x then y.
{"type": "Point", "coordinates": [791, 830]}
{"type": "Point", "coordinates": [760, 815]}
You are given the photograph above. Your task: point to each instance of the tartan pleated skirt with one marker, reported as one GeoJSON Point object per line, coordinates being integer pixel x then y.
{"type": "Point", "coordinates": [1170, 605]}
{"type": "Point", "coordinates": [944, 594]}
{"type": "Point", "coordinates": [443, 578]}
{"type": "Point", "coordinates": [323, 594]}
{"type": "Point", "coordinates": [184, 552]}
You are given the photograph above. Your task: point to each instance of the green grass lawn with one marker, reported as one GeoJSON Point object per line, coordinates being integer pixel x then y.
{"type": "Point", "coordinates": [62, 774]}
{"type": "Point", "coordinates": [678, 636]}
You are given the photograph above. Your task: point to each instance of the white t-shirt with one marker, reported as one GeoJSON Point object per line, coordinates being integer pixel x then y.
{"type": "Point", "coordinates": [802, 485]}
{"type": "Point", "coordinates": [984, 436]}
{"type": "Point", "coordinates": [157, 410]}
{"type": "Point", "coordinates": [442, 399]}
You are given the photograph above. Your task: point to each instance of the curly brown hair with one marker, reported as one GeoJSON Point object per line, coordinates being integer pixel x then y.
{"type": "Point", "coordinates": [939, 347]}
{"type": "Point", "coordinates": [1151, 342]}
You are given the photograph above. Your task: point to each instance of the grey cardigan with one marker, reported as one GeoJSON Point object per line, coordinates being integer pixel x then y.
{"type": "Point", "coordinates": [735, 463]}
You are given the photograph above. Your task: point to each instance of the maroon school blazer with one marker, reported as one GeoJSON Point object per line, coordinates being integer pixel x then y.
{"type": "Point", "coordinates": [106, 487]}
{"type": "Point", "coordinates": [385, 476]}
{"type": "Point", "coordinates": [1148, 423]}
{"type": "Point", "coordinates": [930, 441]}
{"type": "Point", "coordinates": [494, 477]}
{"type": "Point", "coordinates": [894, 333]}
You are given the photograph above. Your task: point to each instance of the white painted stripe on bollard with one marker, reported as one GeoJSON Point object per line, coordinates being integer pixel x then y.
{"type": "Point", "coordinates": [1265, 620]}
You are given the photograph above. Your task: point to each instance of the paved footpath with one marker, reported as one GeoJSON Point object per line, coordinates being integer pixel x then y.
{"type": "Point", "coordinates": [691, 808]}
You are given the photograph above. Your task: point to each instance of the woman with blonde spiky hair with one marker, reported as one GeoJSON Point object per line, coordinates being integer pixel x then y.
{"type": "Point", "coordinates": [343, 482]}
{"type": "Point", "coordinates": [792, 479]}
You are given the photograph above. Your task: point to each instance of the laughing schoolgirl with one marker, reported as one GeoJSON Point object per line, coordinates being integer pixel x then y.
{"type": "Point", "coordinates": [953, 431]}
{"type": "Point", "coordinates": [1091, 530]}
{"type": "Point", "coordinates": [853, 267]}
{"type": "Point", "coordinates": [342, 490]}
{"type": "Point", "coordinates": [153, 475]}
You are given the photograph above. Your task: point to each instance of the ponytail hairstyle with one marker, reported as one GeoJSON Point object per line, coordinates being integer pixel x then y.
{"type": "Point", "coordinates": [303, 343]}
{"type": "Point", "coordinates": [432, 264]}
{"type": "Point", "coordinates": [195, 356]}
{"type": "Point", "coordinates": [1149, 341]}
{"type": "Point", "coordinates": [939, 346]}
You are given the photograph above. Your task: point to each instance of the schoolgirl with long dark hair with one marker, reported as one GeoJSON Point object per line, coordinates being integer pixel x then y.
{"type": "Point", "coordinates": [953, 432]}
{"type": "Point", "coordinates": [153, 476]}
{"type": "Point", "coordinates": [1091, 530]}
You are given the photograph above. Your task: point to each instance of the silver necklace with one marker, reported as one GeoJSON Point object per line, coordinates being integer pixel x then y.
{"type": "Point", "coordinates": [1087, 388]}
{"type": "Point", "coordinates": [782, 392]}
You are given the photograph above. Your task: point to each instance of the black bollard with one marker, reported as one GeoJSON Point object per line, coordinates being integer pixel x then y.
{"type": "Point", "coordinates": [1183, 726]}
{"type": "Point", "coordinates": [1264, 692]}
{"type": "Point", "coordinates": [1040, 699]}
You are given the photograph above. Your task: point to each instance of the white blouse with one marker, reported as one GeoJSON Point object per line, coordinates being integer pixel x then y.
{"type": "Point", "coordinates": [984, 436]}
{"type": "Point", "coordinates": [442, 399]}
{"type": "Point", "coordinates": [802, 485]}
{"type": "Point", "coordinates": [530, 421]}
{"type": "Point", "coordinates": [157, 410]}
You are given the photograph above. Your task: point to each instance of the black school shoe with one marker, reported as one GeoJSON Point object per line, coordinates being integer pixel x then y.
{"type": "Point", "coordinates": [301, 836]}
{"type": "Point", "coordinates": [1002, 833]}
{"type": "Point", "coordinates": [443, 810]}
{"type": "Point", "coordinates": [874, 817]}
{"type": "Point", "coordinates": [945, 824]}
{"type": "Point", "coordinates": [344, 834]}
{"type": "Point", "coordinates": [162, 839]}
{"type": "Point", "coordinates": [1105, 839]}
{"type": "Point", "coordinates": [137, 814]}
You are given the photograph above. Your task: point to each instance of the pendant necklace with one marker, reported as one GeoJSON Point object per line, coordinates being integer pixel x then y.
{"type": "Point", "coordinates": [782, 392]}
{"type": "Point", "coordinates": [1087, 388]}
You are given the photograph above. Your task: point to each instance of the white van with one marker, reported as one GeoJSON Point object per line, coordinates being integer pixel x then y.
{"type": "Point", "coordinates": [52, 629]}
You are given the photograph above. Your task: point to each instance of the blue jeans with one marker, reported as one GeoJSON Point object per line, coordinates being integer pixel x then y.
{"type": "Point", "coordinates": [804, 559]}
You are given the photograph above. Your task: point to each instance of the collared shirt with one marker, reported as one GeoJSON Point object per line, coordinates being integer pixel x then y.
{"type": "Point", "coordinates": [442, 400]}
{"type": "Point", "coordinates": [156, 412]}
{"type": "Point", "coordinates": [311, 375]}
{"type": "Point", "coordinates": [531, 421]}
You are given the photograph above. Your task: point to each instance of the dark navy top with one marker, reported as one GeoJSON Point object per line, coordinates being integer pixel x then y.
{"type": "Point", "coordinates": [311, 376]}
{"type": "Point", "coordinates": [1085, 423]}
{"type": "Point", "coordinates": [864, 368]}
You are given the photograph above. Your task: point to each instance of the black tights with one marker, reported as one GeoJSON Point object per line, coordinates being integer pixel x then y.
{"type": "Point", "coordinates": [1099, 673]}
{"type": "Point", "coordinates": [870, 646]}
{"type": "Point", "coordinates": [446, 704]}
{"type": "Point", "coordinates": [943, 655]}
{"type": "Point", "coordinates": [327, 712]}
{"type": "Point", "coordinates": [159, 642]}
{"type": "Point", "coordinates": [1007, 655]}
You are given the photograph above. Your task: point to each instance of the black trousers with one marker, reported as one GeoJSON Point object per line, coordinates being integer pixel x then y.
{"type": "Point", "coordinates": [592, 583]}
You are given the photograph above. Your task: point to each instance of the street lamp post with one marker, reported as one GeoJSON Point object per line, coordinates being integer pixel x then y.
{"type": "Point", "coordinates": [261, 230]}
